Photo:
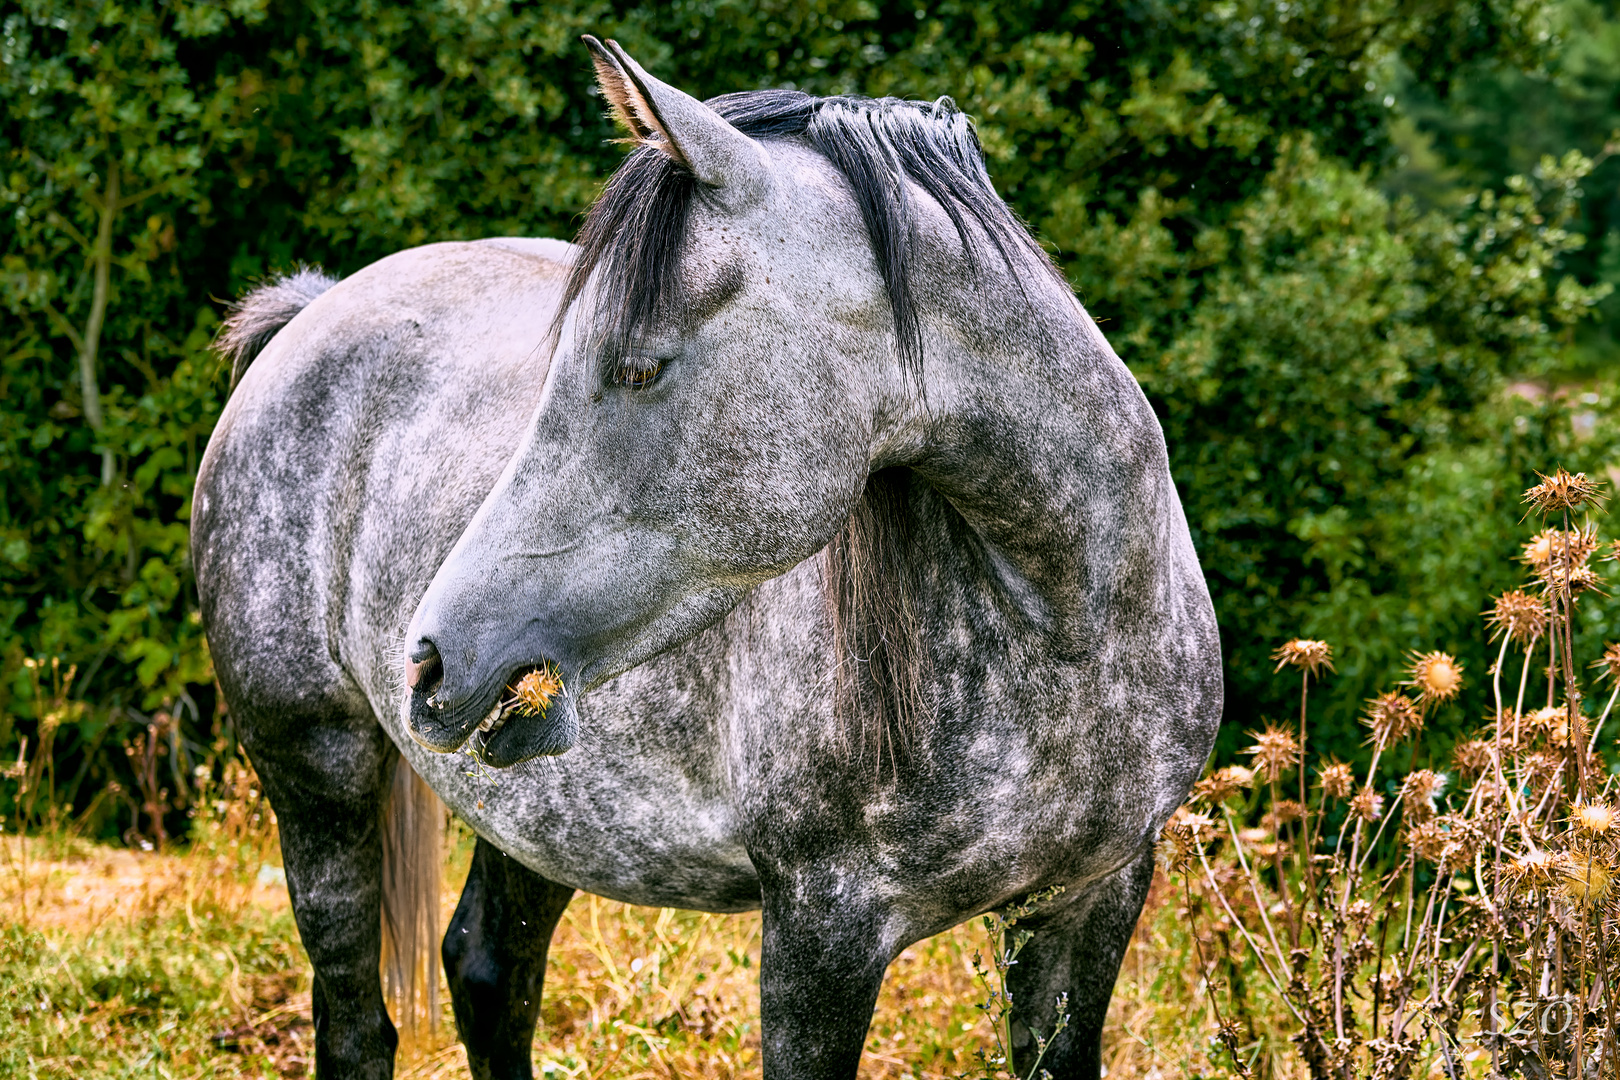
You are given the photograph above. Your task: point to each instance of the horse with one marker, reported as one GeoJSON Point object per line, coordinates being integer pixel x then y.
{"type": "Point", "coordinates": [792, 542]}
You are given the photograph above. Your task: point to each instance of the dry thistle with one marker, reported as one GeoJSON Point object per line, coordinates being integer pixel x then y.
{"type": "Point", "coordinates": [1436, 676]}
{"type": "Point", "coordinates": [1551, 722]}
{"type": "Point", "coordinates": [1418, 792]}
{"type": "Point", "coordinates": [1610, 660]}
{"type": "Point", "coordinates": [1595, 818]}
{"type": "Point", "coordinates": [1183, 835]}
{"type": "Point", "coordinates": [1222, 784]}
{"type": "Point", "coordinates": [1539, 764]}
{"type": "Point", "coordinates": [1463, 839]}
{"type": "Point", "coordinates": [1336, 780]}
{"type": "Point", "coordinates": [1568, 582]}
{"type": "Point", "coordinates": [1522, 617]}
{"type": "Point", "coordinates": [1539, 548]}
{"type": "Point", "coordinates": [1472, 757]}
{"type": "Point", "coordinates": [1536, 870]}
{"type": "Point", "coordinates": [1563, 491]}
{"type": "Point", "coordinates": [1309, 656]}
{"type": "Point", "coordinates": [532, 694]}
{"type": "Point", "coordinates": [1367, 805]}
{"type": "Point", "coordinates": [1427, 841]}
{"type": "Point", "coordinates": [1275, 751]}
{"type": "Point", "coordinates": [1585, 881]}
{"type": "Point", "coordinates": [1392, 716]}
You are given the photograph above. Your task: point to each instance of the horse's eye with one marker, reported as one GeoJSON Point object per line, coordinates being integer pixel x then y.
{"type": "Point", "coordinates": [637, 371]}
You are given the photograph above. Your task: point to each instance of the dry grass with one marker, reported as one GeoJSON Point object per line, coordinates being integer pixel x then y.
{"type": "Point", "coordinates": [119, 962]}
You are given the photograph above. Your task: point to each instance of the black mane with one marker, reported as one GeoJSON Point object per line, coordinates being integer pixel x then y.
{"type": "Point", "coordinates": [636, 231]}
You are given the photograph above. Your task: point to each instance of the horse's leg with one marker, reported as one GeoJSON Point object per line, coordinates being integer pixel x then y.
{"type": "Point", "coordinates": [821, 967]}
{"type": "Point", "coordinates": [327, 778]}
{"type": "Point", "coordinates": [1076, 950]}
{"type": "Point", "coordinates": [495, 958]}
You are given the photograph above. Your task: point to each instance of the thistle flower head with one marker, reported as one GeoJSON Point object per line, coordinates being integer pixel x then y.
{"type": "Point", "coordinates": [1222, 784]}
{"type": "Point", "coordinates": [532, 694]}
{"type": "Point", "coordinates": [1585, 879]}
{"type": "Point", "coordinates": [1535, 870]}
{"type": "Point", "coordinates": [1594, 818]}
{"type": "Point", "coordinates": [1336, 779]}
{"type": "Point", "coordinates": [1563, 491]}
{"type": "Point", "coordinates": [1472, 757]}
{"type": "Point", "coordinates": [1519, 615]}
{"type": "Point", "coordinates": [1183, 834]}
{"type": "Point", "coordinates": [1462, 841]}
{"type": "Point", "coordinates": [1610, 660]}
{"type": "Point", "coordinates": [1427, 841]}
{"type": "Point", "coordinates": [1552, 722]}
{"type": "Point", "coordinates": [1419, 790]}
{"type": "Point", "coordinates": [1307, 655]}
{"type": "Point", "coordinates": [1275, 751]}
{"type": "Point", "coordinates": [1367, 805]}
{"type": "Point", "coordinates": [1436, 676]}
{"type": "Point", "coordinates": [1571, 547]}
{"type": "Point", "coordinates": [1392, 716]}
{"type": "Point", "coordinates": [1568, 583]}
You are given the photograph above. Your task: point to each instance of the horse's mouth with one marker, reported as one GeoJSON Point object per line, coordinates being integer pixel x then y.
{"type": "Point", "coordinates": [533, 715]}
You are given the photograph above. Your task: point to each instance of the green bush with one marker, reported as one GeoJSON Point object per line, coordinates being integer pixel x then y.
{"type": "Point", "coordinates": [1330, 365]}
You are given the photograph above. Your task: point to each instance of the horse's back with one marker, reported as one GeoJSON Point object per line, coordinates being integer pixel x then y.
{"type": "Point", "coordinates": [379, 416]}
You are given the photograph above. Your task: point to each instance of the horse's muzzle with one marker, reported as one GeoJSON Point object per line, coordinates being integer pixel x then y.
{"type": "Point", "coordinates": [502, 734]}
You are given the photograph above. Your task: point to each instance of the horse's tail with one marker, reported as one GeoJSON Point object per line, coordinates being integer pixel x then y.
{"type": "Point", "coordinates": [413, 859]}
{"type": "Point", "coordinates": [258, 316]}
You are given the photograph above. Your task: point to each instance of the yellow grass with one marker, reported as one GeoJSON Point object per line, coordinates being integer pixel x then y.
{"type": "Point", "coordinates": [187, 965]}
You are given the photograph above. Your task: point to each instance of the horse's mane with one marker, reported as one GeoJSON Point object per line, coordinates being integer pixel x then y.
{"type": "Point", "coordinates": [635, 234]}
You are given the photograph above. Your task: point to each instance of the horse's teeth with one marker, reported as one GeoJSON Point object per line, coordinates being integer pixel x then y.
{"type": "Point", "coordinates": [488, 722]}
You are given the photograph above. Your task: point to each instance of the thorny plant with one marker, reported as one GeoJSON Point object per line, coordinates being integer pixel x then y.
{"type": "Point", "coordinates": [1412, 922]}
{"type": "Point", "coordinates": [1007, 940]}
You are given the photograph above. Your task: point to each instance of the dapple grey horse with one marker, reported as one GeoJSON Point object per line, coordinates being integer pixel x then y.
{"type": "Point", "coordinates": [851, 543]}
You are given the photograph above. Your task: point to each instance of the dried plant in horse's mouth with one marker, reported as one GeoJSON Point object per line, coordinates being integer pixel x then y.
{"type": "Point", "coordinates": [533, 693]}
{"type": "Point", "coordinates": [1414, 922]}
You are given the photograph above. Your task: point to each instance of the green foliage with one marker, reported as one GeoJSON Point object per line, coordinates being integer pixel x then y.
{"type": "Point", "coordinates": [1498, 120]}
{"type": "Point", "coordinates": [1329, 362]}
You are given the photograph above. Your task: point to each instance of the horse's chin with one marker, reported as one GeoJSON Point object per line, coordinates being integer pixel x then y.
{"type": "Point", "coordinates": [512, 735]}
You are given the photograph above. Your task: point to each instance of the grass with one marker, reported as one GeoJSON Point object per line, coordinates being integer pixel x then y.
{"type": "Point", "coordinates": [124, 963]}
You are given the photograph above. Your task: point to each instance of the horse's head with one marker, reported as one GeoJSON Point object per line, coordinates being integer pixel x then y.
{"type": "Point", "coordinates": [735, 355]}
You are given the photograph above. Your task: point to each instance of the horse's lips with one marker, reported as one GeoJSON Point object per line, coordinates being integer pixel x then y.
{"type": "Point", "coordinates": [517, 737]}
{"type": "Point", "coordinates": [442, 730]}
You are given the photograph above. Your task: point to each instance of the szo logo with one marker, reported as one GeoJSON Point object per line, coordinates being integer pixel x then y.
{"type": "Point", "coordinates": [1543, 1018]}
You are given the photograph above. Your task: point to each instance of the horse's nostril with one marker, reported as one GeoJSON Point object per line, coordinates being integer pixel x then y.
{"type": "Point", "coordinates": [423, 668]}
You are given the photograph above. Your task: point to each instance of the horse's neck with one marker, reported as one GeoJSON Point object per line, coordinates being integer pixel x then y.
{"type": "Point", "coordinates": [1043, 443]}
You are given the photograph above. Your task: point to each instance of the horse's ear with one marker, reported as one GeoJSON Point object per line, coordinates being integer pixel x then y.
{"type": "Point", "coordinates": [691, 133]}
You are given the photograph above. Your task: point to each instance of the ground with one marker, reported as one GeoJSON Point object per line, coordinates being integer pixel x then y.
{"type": "Point", "coordinates": [119, 962]}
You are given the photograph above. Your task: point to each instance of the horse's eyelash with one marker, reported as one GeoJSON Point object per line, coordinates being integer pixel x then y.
{"type": "Point", "coordinates": [636, 371]}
